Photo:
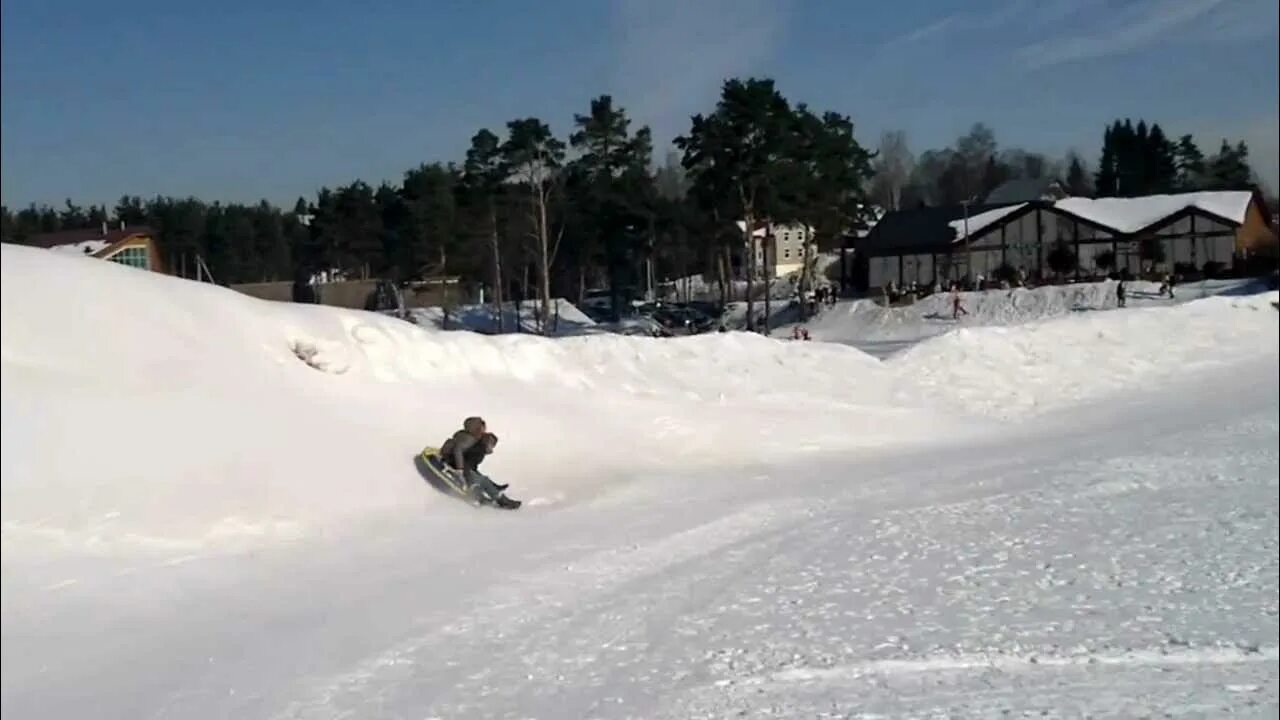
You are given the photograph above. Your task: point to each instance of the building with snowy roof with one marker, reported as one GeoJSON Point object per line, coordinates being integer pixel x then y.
{"type": "Point", "coordinates": [944, 244]}
{"type": "Point", "coordinates": [132, 246]}
{"type": "Point", "coordinates": [786, 244]}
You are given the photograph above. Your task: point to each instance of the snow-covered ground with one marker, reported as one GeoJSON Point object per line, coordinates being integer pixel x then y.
{"type": "Point", "coordinates": [210, 510]}
{"type": "Point", "coordinates": [870, 326]}
{"type": "Point", "coordinates": [565, 317]}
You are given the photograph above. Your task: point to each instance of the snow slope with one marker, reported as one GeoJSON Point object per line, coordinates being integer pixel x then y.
{"type": "Point", "coordinates": [209, 510]}
{"type": "Point", "coordinates": [244, 410]}
{"type": "Point", "coordinates": [867, 321]}
{"type": "Point", "coordinates": [567, 318]}
{"type": "Point", "coordinates": [242, 438]}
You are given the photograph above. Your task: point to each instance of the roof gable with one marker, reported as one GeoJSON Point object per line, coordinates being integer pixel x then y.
{"type": "Point", "coordinates": [86, 235]}
{"type": "Point", "coordinates": [1126, 216]}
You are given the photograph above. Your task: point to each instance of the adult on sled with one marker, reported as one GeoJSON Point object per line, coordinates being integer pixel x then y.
{"type": "Point", "coordinates": [465, 451]}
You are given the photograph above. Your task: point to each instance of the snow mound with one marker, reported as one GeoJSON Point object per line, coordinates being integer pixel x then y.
{"type": "Point", "coordinates": [84, 249]}
{"type": "Point", "coordinates": [867, 321]}
{"type": "Point", "coordinates": [566, 317]}
{"type": "Point", "coordinates": [148, 411]}
{"type": "Point", "coordinates": [1011, 372]}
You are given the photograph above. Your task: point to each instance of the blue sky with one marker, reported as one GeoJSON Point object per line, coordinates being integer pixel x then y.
{"type": "Point", "coordinates": [242, 100]}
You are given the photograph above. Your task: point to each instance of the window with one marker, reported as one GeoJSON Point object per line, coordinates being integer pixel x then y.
{"type": "Point", "coordinates": [786, 253]}
{"type": "Point", "coordinates": [133, 257]}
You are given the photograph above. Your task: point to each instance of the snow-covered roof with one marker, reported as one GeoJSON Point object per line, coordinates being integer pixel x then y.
{"type": "Point", "coordinates": [760, 231]}
{"type": "Point", "coordinates": [88, 247]}
{"type": "Point", "coordinates": [977, 223]}
{"type": "Point", "coordinates": [1128, 215]}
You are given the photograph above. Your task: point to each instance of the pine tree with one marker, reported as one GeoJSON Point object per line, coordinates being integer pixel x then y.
{"type": "Point", "coordinates": [535, 156]}
{"type": "Point", "coordinates": [1190, 165]}
{"type": "Point", "coordinates": [1161, 166]}
{"type": "Point", "coordinates": [1107, 179]}
{"type": "Point", "coordinates": [1229, 169]}
{"type": "Point", "coordinates": [1077, 179]}
{"type": "Point", "coordinates": [483, 174]}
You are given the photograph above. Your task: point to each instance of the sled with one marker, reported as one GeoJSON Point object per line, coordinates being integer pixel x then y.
{"type": "Point", "coordinates": [444, 478]}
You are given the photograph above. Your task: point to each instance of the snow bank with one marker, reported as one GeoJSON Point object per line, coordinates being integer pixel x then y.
{"type": "Point", "coordinates": [867, 321]}
{"type": "Point", "coordinates": [143, 410]}
{"type": "Point", "coordinates": [566, 317]}
{"type": "Point", "coordinates": [1010, 372]}
{"type": "Point", "coordinates": [86, 248]}
{"type": "Point", "coordinates": [1132, 214]}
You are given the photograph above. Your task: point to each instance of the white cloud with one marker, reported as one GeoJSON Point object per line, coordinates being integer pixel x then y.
{"type": "Point", "coordinates": [673, 55]}
{"type": "Point", "coordinates": [1144, 24]}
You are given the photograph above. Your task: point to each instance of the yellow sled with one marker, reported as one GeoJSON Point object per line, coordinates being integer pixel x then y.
{"type": "Point", "coordinates": [435, 465]}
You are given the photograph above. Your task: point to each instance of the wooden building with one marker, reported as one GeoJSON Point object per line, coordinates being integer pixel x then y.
{"type": "Point", "coordinates": [941, 245]}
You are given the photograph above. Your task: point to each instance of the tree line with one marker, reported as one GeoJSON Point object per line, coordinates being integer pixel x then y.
{"type": "Point", "coordinates": [1136, 159]}
{"type": "Point", "coordinates": [530, 214]}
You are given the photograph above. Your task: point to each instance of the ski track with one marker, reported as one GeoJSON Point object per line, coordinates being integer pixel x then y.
{"type": "Point", "coordinates": [814, 607]}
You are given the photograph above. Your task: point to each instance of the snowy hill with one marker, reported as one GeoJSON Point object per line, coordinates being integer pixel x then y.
{"type": "Point", "coordinates": [566, 318]}
{"type": "Point", "coordinates": [867, 321]}
{"type": "Point", "coordinates": [256, 417]}
{"type": "Point", "coordinates": [209, 509]}
{"type": "Point", "coordinates": [242, 437]}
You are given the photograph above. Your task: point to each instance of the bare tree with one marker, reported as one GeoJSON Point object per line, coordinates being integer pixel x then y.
{"type": "Point", "coordinates": [893, 166]}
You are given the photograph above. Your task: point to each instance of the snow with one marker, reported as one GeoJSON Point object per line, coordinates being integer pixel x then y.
{"type": "Point", "coordinates": [869, 325]}
{"type": "Point", "coordinates": [566, 317]}
{"type": "Point", "coordinates": [209, 510]}
{"type": "Point", "coordinates": [979, 222]}
{"type": "Point", "coordinates": [762, 231]}
{"type": "Point", "coordinates": [1127, 215]}
{"type": "Point", "coordinates": [86, 248]}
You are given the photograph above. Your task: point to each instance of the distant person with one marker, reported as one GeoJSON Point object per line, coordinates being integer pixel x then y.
{"type": "Point", "coordinates": [957, 309]}
{"type": "Point", "coordinates": [304, 290]}
{"type": "Point", "coordinates": [1120, 294]}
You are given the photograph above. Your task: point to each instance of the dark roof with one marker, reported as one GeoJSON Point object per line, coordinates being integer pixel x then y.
{"type": "Point", "coordinates": [72, 237]}
{"type": "Point", "coordinates": [923, 229]}
{"type": "Point", "coordinates": [1024, 190]}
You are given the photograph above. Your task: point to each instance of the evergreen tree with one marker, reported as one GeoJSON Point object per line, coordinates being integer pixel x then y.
{"type": "Point", "coordinates": [73, 217]}
{"type": "Point", "coordinates": [1107, 179]}
{"type": "Point", "coordinates": [738, 147]}
{"type": "Point", "coordinates": [534, 156]}
{"type": "Point", "coordinates": [1190, 165]}
{"type": "Point", "coordinates": [1077, 183]}
{"type": "Point", "coordinates": [1161, 165]}
{"type": "Point", "coordinates": [1229, 169]}
{"type": "Point", "coordinates": [617, 190]}
{"type": "Point", "coordinates": [481, 186]}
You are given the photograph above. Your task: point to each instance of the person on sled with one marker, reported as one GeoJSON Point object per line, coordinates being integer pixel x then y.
{"type": "Point", "coordinates": [465, 451]}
